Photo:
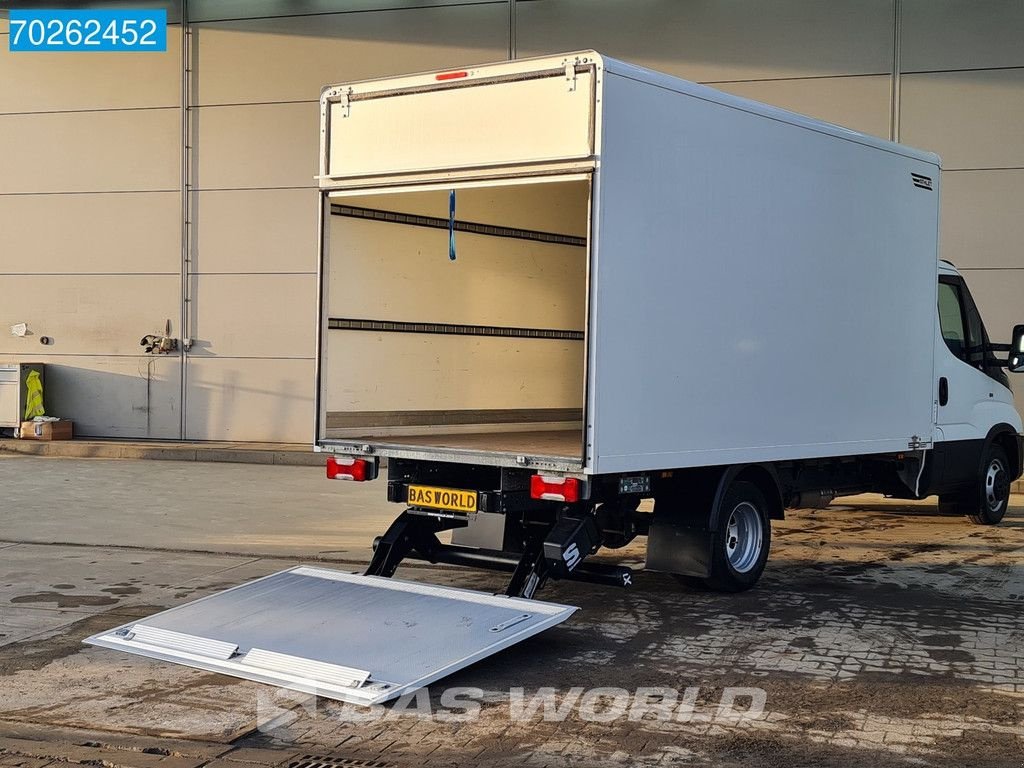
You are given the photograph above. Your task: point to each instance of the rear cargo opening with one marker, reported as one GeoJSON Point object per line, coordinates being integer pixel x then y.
{"type": "Point", "coordinates": [471, 343]}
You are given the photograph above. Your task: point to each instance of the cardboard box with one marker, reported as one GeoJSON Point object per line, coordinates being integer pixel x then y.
{"type": "Point", "coordinates": [47, 430]}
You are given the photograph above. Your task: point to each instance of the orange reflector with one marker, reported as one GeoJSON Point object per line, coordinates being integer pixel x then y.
{"type": "Point", "coordinates": [451, 75]}
{"type": "Point", "coordinates": [551, 488]}
{"type": "Point", "coordinates": [346, 469]}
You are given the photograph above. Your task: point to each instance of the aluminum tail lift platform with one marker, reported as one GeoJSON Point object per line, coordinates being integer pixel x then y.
{"type": "Point", "coordinates": [366, 638]}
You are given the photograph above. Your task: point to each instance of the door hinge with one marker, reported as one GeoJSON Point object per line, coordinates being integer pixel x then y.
{"type": "Point", "coordinates": [570, 75]}
{"type": "Point", "coordinates": [345, 104]}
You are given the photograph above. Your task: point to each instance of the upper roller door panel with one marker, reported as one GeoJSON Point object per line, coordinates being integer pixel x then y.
{"type": "Point", "coordinates": [470, 123]}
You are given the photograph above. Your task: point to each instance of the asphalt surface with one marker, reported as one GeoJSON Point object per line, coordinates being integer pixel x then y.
{"type": "Point", "coordinates": [881, 634]}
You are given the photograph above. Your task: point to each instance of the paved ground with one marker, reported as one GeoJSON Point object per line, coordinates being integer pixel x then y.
{"type": "Point", "coordinates": [190, 506]}
{"type": "Point", "coordinates": [879, 636]}
{"type": "Point", "coordinates": [290, 454]}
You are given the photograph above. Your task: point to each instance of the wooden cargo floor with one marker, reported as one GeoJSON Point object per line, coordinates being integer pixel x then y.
{"type": "Point", "coordinates": [562, 443]}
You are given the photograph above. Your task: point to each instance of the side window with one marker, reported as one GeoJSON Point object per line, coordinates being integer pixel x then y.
{"type": "Point", "coordinates": [951, 320]}
{"type": "Point", "coordinates": [979, 351]}
{"type": "Point", "coordinates": [963, 331]}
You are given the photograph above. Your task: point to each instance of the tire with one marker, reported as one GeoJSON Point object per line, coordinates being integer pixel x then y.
{"type": "Point", "coordinates": [986, 503]}
{"type": "Point", "coordinates": [741, 542]}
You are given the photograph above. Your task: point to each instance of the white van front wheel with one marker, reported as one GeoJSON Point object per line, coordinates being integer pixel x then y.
{"type": "Point", "coordinates": [986, 503]}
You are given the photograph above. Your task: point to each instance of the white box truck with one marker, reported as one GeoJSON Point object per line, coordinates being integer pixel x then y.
{"type": "Point", "coordinates": [555, 287]}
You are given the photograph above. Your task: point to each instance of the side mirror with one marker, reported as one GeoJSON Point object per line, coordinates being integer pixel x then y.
{"type": "Point", "coordinates": [1015, 364]}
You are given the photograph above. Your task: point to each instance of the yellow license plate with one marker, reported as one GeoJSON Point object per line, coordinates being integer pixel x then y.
{"type": "Point", "coordinates": [449, 499]}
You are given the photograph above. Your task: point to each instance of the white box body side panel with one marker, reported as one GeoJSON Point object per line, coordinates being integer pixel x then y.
{"type": "Point", "coordinates": [762, 290]}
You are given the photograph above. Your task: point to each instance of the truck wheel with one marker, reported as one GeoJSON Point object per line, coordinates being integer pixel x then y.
{"type": "Point", "coordinates": [741, 543]}
{"type": "Point", "coordinates": [986, 503]}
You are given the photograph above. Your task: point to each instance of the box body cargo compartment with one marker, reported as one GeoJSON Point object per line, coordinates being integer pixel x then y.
{"type": "Point", "coordinates": [576, 265]}
{"type": "Point", "coordinates": [481, 353]}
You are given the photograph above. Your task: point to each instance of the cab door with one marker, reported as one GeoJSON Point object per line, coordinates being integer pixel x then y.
{"type": "Point", "coordinates": [972, 390]}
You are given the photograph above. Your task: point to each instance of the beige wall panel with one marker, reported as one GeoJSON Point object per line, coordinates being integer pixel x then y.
{"type": "Point", "coordinates": [68, 234]}
{"type": "Point", "coordinates": [981, 218]}
{"type": "Point", "coordinates": [972, 119]}
{"type": "Point", "coordinates": [263, 145]}
{"type": "Point", "coordinates": [86, 314]}
{"type": "Point", "coordinates": [95, 80]}
{"type": "Point", "coordinates": [265, 230]}
{"type": "Point", "coordinates": [997, 293]}
{"type": "Point", "coordinates": [860, 103]}
{"type": "Point", "coordinates": [254, 400]}
{"type": "Point", "coordinates": [704, 41]}
{"type": "Point", "coordinates": [410, 371]}
{"type": "Point", "coordinates": [211, 10]}
{"type": "Point", "coordinates": [293, 58]}
{"type": "Point", "coordinates": [383, 271]}
{"type": "Point", "coordinates": [133, 150]}
{"type": "Point", "coordinates": [254, 316]}
{"type": "Point", "coordinates": [173, 7]}
{"type": "Point", "coordinates": [132, 397]}
{"type": "Point", "coordinates": [961, 34]}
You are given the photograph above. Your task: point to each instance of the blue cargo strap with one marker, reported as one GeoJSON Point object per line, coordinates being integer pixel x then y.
{"type": "Point", "coordinates": [451, 225]}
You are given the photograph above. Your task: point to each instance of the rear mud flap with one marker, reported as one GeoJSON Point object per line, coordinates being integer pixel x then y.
{"type": "Point", "coordinates": [360, 639]}
{"type": "Point", "coordinates": [674, 547]}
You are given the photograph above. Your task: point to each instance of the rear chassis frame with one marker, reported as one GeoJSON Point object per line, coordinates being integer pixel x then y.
{"type": "Point", "coordinates": [543, 540]}
{"type": "Point", "coordinates": [540, 539]}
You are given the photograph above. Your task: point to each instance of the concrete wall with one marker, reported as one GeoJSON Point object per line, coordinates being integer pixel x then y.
{"type": "Point", "coordinates": [90, 221]}
{"type": "Point", "coordinates": [254, 273]}
{"type": "Point", "coordinates": [90, 209]}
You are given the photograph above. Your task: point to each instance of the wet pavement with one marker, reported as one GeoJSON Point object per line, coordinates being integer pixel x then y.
{"type": "Point", "coordinates": [881, 634]}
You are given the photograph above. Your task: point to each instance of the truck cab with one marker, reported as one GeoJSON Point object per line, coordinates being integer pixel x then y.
{"type": "Point", "coordinates": [977, 428]}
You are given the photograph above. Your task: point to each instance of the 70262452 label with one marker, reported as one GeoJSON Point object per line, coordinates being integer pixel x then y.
{"type": "Point", "coordinates": [88, 30]}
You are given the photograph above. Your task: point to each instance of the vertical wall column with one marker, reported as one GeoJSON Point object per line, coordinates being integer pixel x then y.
{"type": "Point", "coordinates": [512, 29]}
{"type": "Point", "coordinates": [894, 107]}
{"type": "Point", "coordinates": [184, 324]}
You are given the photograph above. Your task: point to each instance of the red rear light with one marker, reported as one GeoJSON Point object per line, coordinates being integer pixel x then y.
{"type": "Point", "coordinates": [552, 488]}
{"type": "Point", "coordinates": [451, 75]}
{"type": "Point", "coordinates": [347, 469]}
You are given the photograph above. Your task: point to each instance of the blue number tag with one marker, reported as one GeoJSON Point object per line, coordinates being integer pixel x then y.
{"type": "Point", "coordinates": [88, 30]}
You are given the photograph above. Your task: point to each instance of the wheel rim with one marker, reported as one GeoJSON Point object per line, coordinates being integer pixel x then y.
{"type": "Point", "coordinates": [996, 485]}
{"type": "Point", "coordinates": [744, 537]}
